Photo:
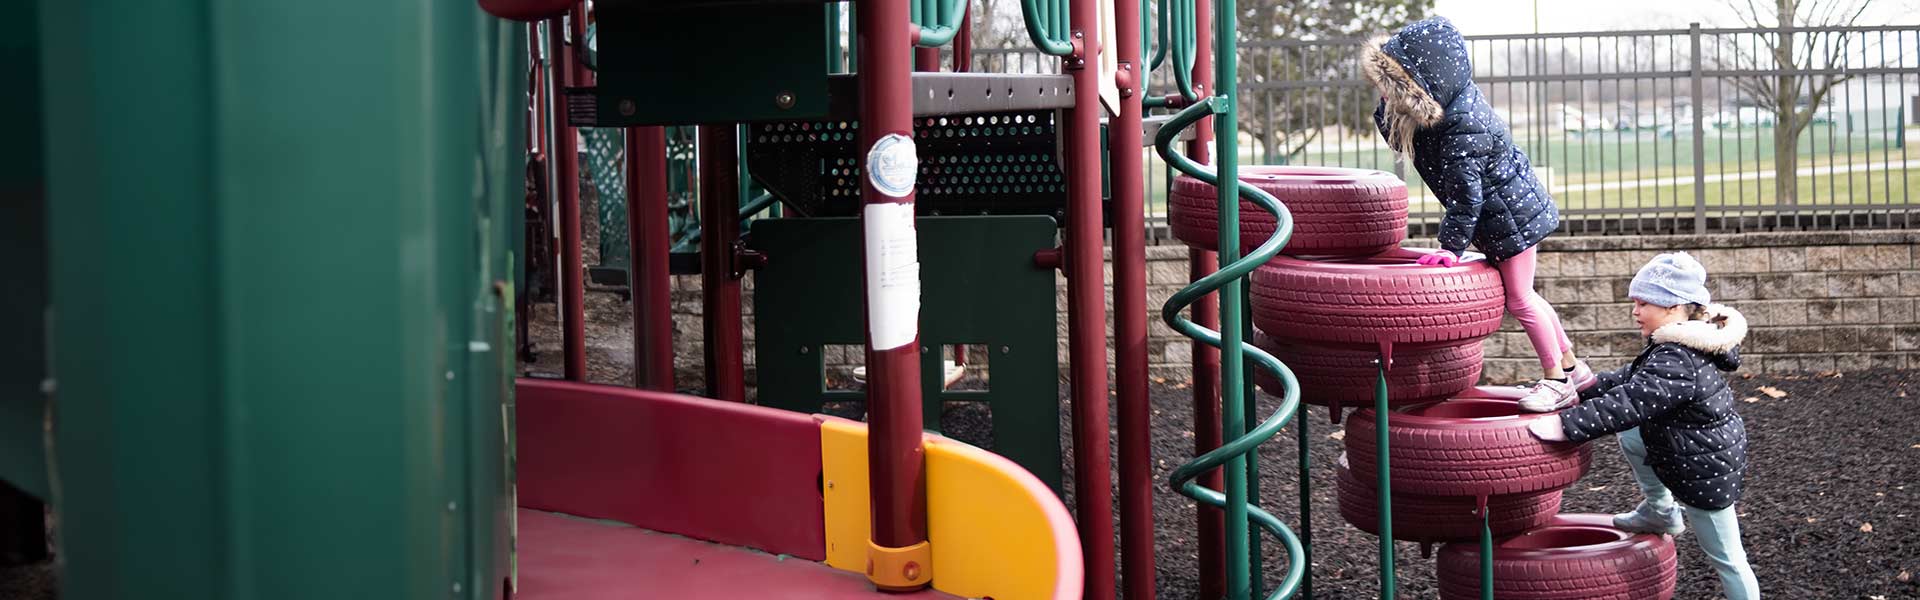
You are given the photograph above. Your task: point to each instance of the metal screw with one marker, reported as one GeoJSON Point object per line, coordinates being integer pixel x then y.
{"type": "Point", "coordinates": [829, 485]}
{"type": "Point", "coordinates": [1004, 349]}
{"type": "Point", "coordinates": [626, 108]}
{"type": "Point", "coordinates": [456, 587]}
{"type": "Point", "coordinates": [806, 349]}
{"type": "Point", "coordinates": [784, 100]}
{"type": "Point", "coordinates": [453, 506]}
{"type": "Point", "coordinates": [449, 375]}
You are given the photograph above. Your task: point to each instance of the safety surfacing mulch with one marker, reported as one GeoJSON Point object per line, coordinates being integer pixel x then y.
{"type": "Point", "coordinates": [1832, 506]}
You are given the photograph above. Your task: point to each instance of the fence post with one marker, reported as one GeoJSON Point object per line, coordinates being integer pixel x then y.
{"type": "Point", "coordinates": [1699, 137]}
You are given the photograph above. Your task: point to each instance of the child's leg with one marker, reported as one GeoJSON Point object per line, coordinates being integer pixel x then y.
{"type": "Point", "coordinates": [1659, 498]}
{"type": "Point", "coordinates": [1718, 532]}
{"type": "Point", "coordinates": [1533, 312]}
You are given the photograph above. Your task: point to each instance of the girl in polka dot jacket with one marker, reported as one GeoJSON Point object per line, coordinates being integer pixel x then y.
{"type": "Point", "coordinates": [1431, 111]}
{"type": "Point", "coordinates": [1675, 416]}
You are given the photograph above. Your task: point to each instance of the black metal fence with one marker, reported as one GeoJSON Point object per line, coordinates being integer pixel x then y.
{"type": "Point", "coordinates": [1632, 131]}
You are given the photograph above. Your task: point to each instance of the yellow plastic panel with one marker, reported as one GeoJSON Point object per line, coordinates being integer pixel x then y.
{"type": "Point", "coordinates": [996, 530]}
{"type": "Point", "coordinates": [843, 473]}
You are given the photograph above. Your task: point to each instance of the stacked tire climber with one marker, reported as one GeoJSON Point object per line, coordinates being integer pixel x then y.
{"type": "Point", "coordinates": [1344, 297]}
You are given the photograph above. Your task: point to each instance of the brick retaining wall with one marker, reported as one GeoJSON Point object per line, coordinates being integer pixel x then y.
{"type": "Point", "coordinates": [1817, 301]}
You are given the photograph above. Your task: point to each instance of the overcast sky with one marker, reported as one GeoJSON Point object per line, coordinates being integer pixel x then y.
{"type": "Point", "coordinates": [1486, 17]}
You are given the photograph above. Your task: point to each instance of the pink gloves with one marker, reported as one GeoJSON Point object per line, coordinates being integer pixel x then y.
{"type": "Point", "coordinates": [1547, 428]}
{"type": "Point", "coordinates": [1439, 259]}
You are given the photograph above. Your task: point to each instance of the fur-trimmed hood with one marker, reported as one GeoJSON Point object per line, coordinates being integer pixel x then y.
{"type": "Point", "coordinates": [1718, 336]}
{"type": "Point", "coordinates": [1419, 70]}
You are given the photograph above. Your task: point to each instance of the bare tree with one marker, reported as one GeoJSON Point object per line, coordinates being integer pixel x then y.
{"type": "Point", "coordinates": [1794, 96]}
{"type": "Point", "coordinates": [997, 24]}
{"type": "Point", "coordinates": [1324, 46]}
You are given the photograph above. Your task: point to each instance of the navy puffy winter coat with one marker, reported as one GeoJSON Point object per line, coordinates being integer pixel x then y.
{"type": "Point", "coordinates": [1459, 146]}
{"type": "Point", "coordinates": [1676, 394]}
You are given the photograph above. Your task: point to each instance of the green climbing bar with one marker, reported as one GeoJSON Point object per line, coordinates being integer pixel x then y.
{"type": "Point", "coordinates": [1385, 482]}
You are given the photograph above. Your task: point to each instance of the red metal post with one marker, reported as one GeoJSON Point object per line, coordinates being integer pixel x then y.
{"type": "Point", "coordinates": [1087, 306]}
{"type": "Point", "coordinates": [926, 59]}
{"type": "Point", "coordinates": [647, 248]}
{"type": "Point", "coordinates": [582, 75]}
{"type": "Point", "coordinates": [898, 556]}
{"type": "Point", "coordinates": [963, 44]}
{"type": "Point", "coordinates": [1130, 311]}
{"type": "Point", "coordinates": [566, 155]}
{"type": "Point", "coordinates": [1206, 313]}
{"type": "Point", "coordinates": [720, 291]}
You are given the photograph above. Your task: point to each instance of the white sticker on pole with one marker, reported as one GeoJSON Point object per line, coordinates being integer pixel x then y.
{"type": "Point", "coordinates": [892, 165]}
{"type": "Point", "coordinates": [893, 275]}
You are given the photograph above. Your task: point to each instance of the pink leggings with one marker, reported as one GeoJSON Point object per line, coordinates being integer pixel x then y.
{"type": "Point", "coordinates": [1532, 311]}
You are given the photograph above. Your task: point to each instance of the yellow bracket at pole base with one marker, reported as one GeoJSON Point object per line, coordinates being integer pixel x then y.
{"type": "Point", "coordinates": [900, 569]}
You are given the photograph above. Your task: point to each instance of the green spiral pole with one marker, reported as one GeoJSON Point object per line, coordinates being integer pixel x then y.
{"type": "Point", "coordinates": [1227, 280]}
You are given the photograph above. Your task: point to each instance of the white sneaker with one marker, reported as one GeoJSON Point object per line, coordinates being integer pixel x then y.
{"type": "Point", "coordinates": [1644, 519]}
{"type": "Point", "coordinates": [1581, 376]}
{"type": "Point", "coordinates": [1549, 395]}
{"type": "Point", "coordinates": [953, 373]}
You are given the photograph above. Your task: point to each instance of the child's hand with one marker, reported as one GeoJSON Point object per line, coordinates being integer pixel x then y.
{"type": "Point", "coordinates": [1547, 427]}
{"type": "Point", "coordinates": [1442, 258]}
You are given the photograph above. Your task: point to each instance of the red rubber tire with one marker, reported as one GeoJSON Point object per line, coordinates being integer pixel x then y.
{"type": "Point", "coordinates": [1345, 377]}
{"type": "Point", "coordinates": [1362, 301]}
{"type": "Point", "coordinates": [1336, 211]}
{"type": "Point", "coordinates": [526, 10]}
{"type": "Point", "coordinates": [1573, 557]}
{"type": "Point", "coordinates": [1419, 518]}
{"type": "Point", "coordinates": [1469, 445]}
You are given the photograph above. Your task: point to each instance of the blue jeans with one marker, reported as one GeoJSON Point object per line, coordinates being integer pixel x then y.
{"type": "Point", "coordinates": [1717, 531]}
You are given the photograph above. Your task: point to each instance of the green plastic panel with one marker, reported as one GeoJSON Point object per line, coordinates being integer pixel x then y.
{"type": "Point", "coordinates": [710, 64]}
{"type": "Point", "coordinates": [979, 285]}
{"type": "Point", "coordinates": [280, 242]}
{"type": "Point", "coordinates": [23, 460]}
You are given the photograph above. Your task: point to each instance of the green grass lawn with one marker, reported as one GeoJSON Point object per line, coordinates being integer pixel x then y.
{"type": "Point", "coordinates": [1610, 160]}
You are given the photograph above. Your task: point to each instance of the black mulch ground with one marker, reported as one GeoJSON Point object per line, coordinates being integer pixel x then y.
{"type": "Point", "coordinates": [1829, 512]}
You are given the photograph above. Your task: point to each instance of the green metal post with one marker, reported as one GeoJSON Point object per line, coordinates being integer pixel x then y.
{"type": "Point", "coordinates": [1306, 501]}
{"type": "Point", "coordinates": [1231, 299]}
{"type": "Point", "coordinates": [1385, 482]}
{"type": "Point", "coordinates": [1250, 397]}
{"type": "Point", "coordinates": [1486, 550]}
{"type": "Point", "coordinates": [833, 37]}
{"type": "Point", "coordinates": [744, 180]}
{"type": "Point", "coordinates": [1233, 409]}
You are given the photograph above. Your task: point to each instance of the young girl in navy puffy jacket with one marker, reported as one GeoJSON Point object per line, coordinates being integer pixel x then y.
{"type": "Point", "coordinates": [1675, 417]}
{"type": "Point", "coordinates": [1430, 111]}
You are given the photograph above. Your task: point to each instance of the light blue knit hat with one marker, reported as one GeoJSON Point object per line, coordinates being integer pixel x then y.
{"type": "Point", "coordinates": [1671, 280]}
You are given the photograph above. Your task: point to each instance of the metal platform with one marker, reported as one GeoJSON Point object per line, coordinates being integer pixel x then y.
{"type": "Point", "coordinates": [934, 95]}
{"type": "Point", "coordinates": [948, 94]}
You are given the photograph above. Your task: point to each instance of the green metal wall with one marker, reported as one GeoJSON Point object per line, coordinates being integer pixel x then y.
{"type": "Point", "coordinates": [280, 242]}
{"type": "Point", "coordinates": [23, 239]}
